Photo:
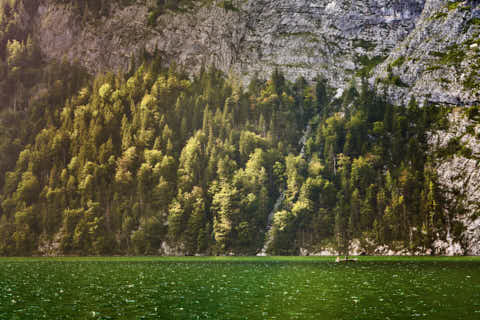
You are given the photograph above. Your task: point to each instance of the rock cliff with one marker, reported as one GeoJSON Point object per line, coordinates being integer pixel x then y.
{"type": "Point", "coordinates": [337, 39]}
{"type": "Point", "coordinates": [459, 178]}
{"type": "Point", "coordinates": [204, 35]}
{"type": "Point", "coordinates": [440, 58]}
{"type": "Point", "coordinates": [427, 49]}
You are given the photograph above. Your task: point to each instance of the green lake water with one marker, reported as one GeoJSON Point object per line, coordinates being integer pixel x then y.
{"type": "Point", "coordinates": [239, 288]}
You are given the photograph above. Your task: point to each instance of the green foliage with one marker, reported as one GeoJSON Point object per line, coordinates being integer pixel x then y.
{"type": "Point", "coordinates": [368, 177]}
{"type": "Point", "coordinates": [453, 5]}
{"type": "Point", "coordinates": [365, 44]}
{"type": "Point", "coordinates": [160, 7]}
{"type": "Point", "coordinates": [129, 164]}
{"type": "Point", "coordinates": [440, 14]}
{"type": "Point", "coordinates": [158, 161]}
{"type": "Point", "coordinates": [398, 62]}
{"type": "Point", "coordinates": [473, 113]}
{"type": "Point", "coordinates": [228, 5]}
{"type": "Point", "coordinates": [474, 22]}
{"type": "Point", "coordinates": [393, 79]}
{"type": "Point", "coordinates": [453, 56]}
{"type": "Point", "coordinates": [472, 81]}
{"type": "Point", "coordinates": [31, 90]}
{"type": "Point", "coordinates": [368, 64]}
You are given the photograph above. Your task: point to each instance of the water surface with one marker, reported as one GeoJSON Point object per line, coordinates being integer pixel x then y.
{"type": "Point", "coordinates": [239, 288]}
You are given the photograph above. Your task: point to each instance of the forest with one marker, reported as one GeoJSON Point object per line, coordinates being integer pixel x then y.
{"type": "Point", "coordinates": [157, 160]}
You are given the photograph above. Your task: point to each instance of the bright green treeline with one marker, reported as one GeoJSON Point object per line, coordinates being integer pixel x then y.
{"type": "Point", "coordinates": [161, 162]}
{"type": "Point", "coordinates": [132, 162]}
{"type": "Point", "coordinates": [369, 177]}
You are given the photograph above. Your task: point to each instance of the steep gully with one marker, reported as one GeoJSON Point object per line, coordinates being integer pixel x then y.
{"type": "Point", "coordinates": [281, 197]}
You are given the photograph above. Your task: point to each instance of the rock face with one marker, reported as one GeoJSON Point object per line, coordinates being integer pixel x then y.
{"type": "Point", "coordinates": [332, 38]}
{"type": "Point", "coordinates": [305, 37]}
{"type": "Point", "coordinates": [459, 178]}
{"type": "Point", "coordinates": [209, 35]}
{"type": "Point", "coordinates": [430, 49]}
{"type": "Point", "coordinates": [439, 60]}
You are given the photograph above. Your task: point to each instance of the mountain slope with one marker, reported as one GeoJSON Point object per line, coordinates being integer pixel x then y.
{"type": "Point", "coordinates": [439, 60]}
{"type": "Point", "coordinates": [157, 154]}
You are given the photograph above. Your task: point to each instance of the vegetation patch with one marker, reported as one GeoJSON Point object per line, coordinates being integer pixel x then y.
{"type": "Point", "coordinates": [393, 79]}
{"type": "Point", "coordinates": [474, 22]}
{"type": "Point", "coordinates": [473, 113]}
{"type": "Point", "coordinates": [368, 64]}
{"type": "Point", "coordinates": [398, 62]}
{"type": "Point", "coordinates": [156, 160]}
{"type": "Point", "coordinates": [228, 5]}
{"type": "Point", "coordinates": [445, 80]}
{"type": "Point", "coordinates": [440, 15]}
{"type": "Point", "coordinates": [453, 5]}
{"type": "Point", "coordinates": [454, 55]}
{"type": "Point", "coordinates": [365, 44]}
{"type": "Point", "coordinates": [472, 82]}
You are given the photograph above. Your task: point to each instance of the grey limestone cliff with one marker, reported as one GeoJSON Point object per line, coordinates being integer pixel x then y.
{"type": "Point", "coordinates": [427, 49]}
{"type": "Point", "coordinates": [459, 179]}
{"type": "Point", "coordinates": [205, 35]}
{"type": "Point", "coordinates": [439, 60]}
{"type": "Point", "coordinates": [337, 38]}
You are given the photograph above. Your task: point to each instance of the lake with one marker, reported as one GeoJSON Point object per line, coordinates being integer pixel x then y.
{"type": "Point", "coordinates": [240, 288]}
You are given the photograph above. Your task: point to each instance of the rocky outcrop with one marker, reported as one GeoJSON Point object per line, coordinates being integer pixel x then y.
{"type": "Point", "coordinates": [459, 178]}
{"type": "Point", "coordinates": [207, 35]}
{"type": "Point", "coordinates": [336, 39]}
{"type": "Point", "coordinates": [167, 250]}
{"type": "Point", "coordinates": [439, 59]}
{"type": "Point", "coordinates": [430, 49]}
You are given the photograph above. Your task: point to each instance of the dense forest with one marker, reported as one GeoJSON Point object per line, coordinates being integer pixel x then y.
{"type": "Point", "coordinates": [156, 160]}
